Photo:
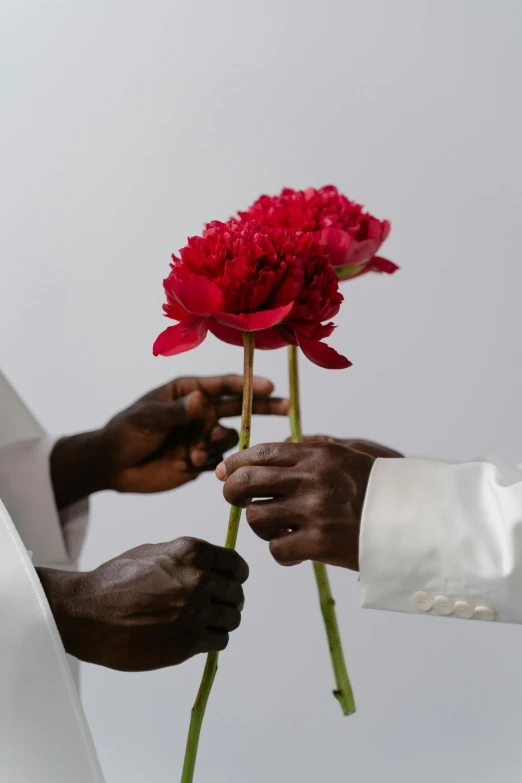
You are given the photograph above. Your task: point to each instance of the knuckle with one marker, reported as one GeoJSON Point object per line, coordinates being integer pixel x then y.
{"type": "Point", "coordinates": [189, 549]}
{"type": "Point", "coordinates": [184, 544]}
{"type": "Point", "coordinates": [331, 454]}
{"type": "Point", "coordinates": [263, 452]}
{"type": "Point", "coordinates": [315, 503]}
{"type": "Point", "coordinates": [230, 492]}
{"type": "Point", "coordinates": [198, 579]}
{"type": "Point", "coordinates": [243, 476]}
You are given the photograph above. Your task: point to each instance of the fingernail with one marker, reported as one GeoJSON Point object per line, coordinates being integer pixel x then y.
{"type": "Point", "coordinates": [193, 402]}
{"type": "Point", "coordinates": [221, 471]}
{"type": "Point", "coordinates": [218, 433]}
{"type": "Point", "coordinates": [199, 458]}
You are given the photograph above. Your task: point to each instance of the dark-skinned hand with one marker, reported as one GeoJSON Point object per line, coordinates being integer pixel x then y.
{"type": "Point", "coordinates": [165, 439]}
{"type": "Point", "coordinates": [306, 499]}
{"type": "Point", "coordinates": [154, 606]}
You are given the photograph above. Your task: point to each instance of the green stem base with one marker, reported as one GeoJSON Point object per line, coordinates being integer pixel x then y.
{"type": "Point", "coordinates": [197, 715]}
{"type": "Point", "coordinates": [343, 691]}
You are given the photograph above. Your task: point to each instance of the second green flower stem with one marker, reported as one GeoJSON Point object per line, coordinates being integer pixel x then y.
{"type": "Point", "coordinates": [343, 691]}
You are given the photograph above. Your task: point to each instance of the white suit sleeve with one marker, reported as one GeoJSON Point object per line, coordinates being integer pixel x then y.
{"type": "Point", "coordinates": [55, 539]}
{"type": "Point", "coordinates": [443, 539]}
{"type": "Point", "coordinates": [45, 736]}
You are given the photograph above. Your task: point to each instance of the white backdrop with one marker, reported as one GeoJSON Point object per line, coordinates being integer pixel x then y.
{"type": "Point", "coordinates": [127, 124]}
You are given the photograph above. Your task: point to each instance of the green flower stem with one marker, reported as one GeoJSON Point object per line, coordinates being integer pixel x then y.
{"type": "Point", "coordinates": [211, 666]}
{"type": "Point", "coordinates": [343, 691]}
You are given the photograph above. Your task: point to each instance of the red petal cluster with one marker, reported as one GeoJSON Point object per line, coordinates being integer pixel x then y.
{"type": "Point", "coordinates": [244, 276]}
{"type": "Point", "coordinates": [350, 236]}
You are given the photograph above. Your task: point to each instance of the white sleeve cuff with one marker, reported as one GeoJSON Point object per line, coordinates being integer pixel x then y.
{"type": "Point", "coordinates": [55, 539]}
{"type": "Point", "coordinates": [443, 539]}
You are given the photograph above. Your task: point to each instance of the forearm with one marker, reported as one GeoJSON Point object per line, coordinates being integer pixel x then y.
{"type": "Point", "coordinates": [79, 468]}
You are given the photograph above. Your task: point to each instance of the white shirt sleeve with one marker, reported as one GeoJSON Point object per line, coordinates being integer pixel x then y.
{"type": "Point", "coordinates": [44, 736]}
{"type": "Point", "coordinates": [443, 539]}
{"type": "Point", "coordinates": [55, 539]}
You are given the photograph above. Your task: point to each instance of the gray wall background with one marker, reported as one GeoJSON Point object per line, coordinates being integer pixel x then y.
{"type": "Point", "coordinates": [124, 126]}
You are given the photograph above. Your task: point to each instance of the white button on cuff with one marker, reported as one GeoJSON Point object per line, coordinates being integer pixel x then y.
{"type": "Point", "coordinates": [422, 601]}
{"type": "Point", "coordinates": [463, 609]}
{"type": "Point", "coordinates": [442, 605]}
{"type": "Point", "coordinates": [484, 613]}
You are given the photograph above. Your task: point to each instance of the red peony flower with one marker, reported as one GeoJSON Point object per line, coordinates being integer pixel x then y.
{"type": "Point", "coordinates": [242, 276]}
{"type": "Point", "coordinates": [350, 236]}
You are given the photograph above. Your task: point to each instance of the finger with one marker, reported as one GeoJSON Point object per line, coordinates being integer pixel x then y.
{"type": "Point", "coordinates": [211, 464]}
{"type": "Point", "coordinates": [226, 590]}
{"type": "Point", "coordinates": [158, 476]}
{"type": "Point", "coordinates": [269, 454]}
{"type": "Point", "coordinates": [293, 549]}
{"type": "Point", "coordinates": [269, 519]}
{"type": "Point", "coordinates": [223, 561]}
{"type": "Point", "coordinates": [270, 406]}
{"type": "Point", "coordinates": [213, 446]}
{"type": "Point", "coordinates": [212, 641]}
{"type": "Point", "coordinates": [220, 434]}
{"type": "Point", "coordinates": [224, 618]}
{"type": "Point", "coordinates": [226, 407]}
{"type": "Point", "coordinates": [216, 385]}
{"type": "Point", "coordinates": [247, 483]}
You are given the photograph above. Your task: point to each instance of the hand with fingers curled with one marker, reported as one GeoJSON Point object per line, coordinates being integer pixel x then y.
{"type": "Point", "coordinates": [167, 438]}
{"type": "Point", "coordinates": [154, 606]}
{"type": "Point", "coordinates": [307, 498]}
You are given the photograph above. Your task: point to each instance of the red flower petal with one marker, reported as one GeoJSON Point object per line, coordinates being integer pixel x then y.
{"type": "Point", "coordinates": [266, 340]}
{"type": "Point", "coordinates": [344, 250]}
{"type": "Point", "coordinates": [376, 264]}
{"type": "Point", "coordinates": [322, 354]}
{"type": "Point", "coordinates": [254, 322]}
{"type": "Point", "coordinates": [379, 264]}
{"type": "Point", "coordinates": [195, 293]}
{"type": "Point", "coordinates": [386, 228]}
{"type": "Point", "coordinates": [338, 244]}
{"type": "Point", "coordinates": [180, 338]}
{"type": "Point", "coordinates": [174, 310]}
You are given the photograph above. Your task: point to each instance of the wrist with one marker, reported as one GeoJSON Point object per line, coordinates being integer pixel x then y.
{"type": "Point", "coordinates": [79, 468]}
{"type": "Point", "coordinates": [63, 590]}
{"type": "Point", "coordinates": [359, 467]}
